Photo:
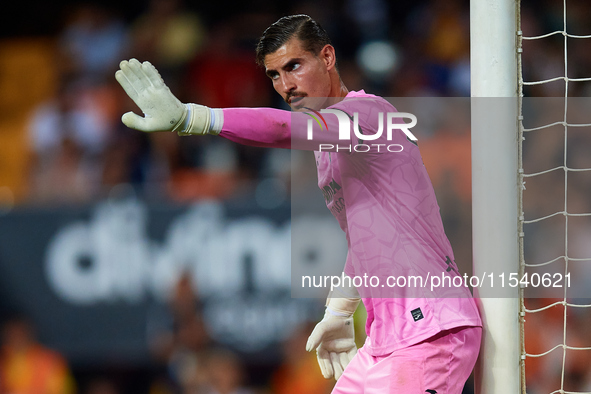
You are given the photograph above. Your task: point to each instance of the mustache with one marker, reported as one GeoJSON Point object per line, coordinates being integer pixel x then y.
{"type": "Point", "coordinates": [294, 94]}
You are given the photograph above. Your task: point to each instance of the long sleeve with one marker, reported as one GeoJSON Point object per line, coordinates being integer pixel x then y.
{"type": "Point", "coordinates": [263, 127]}
{"type": "Point", "coordinates": [330, 129]}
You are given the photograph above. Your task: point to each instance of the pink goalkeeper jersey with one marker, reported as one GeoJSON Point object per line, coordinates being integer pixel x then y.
{"type": "Point", "coordinates": [381, 195]}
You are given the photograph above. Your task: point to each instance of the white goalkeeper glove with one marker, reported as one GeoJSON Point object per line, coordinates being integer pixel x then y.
{"type": "Point", "coordinates": [162, 110]}
{"type": "Point", "coordinates": [334, 337]}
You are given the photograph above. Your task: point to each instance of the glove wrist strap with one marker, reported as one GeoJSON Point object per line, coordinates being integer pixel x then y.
{"type": "Point", "coordinates": [332, 312]}
{"type": "Point", "coordinates": [197, 120]}
{"type": "Point", "coordinates": [217, 120]}
{"type": "Point", "coordinates": [342, 306]}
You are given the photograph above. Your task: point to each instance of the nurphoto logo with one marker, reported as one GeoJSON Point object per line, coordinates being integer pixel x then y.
{"type": "Point", "coordinates": [393, 121]}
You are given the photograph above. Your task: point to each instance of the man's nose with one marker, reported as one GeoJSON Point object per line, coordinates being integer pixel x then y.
{"type": "Point", "coordinates": [288, 84]}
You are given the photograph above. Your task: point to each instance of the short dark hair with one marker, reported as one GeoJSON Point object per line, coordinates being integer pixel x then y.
{"type": "Point", "coordinates": [306, 29]}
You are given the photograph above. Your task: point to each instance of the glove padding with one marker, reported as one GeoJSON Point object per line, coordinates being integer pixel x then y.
{"type": "Point", "coordinates": [162, 110]}
{"type": "Point", "coordinates": [334, 341]}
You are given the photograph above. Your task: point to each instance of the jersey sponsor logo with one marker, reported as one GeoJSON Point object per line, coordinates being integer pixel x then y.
{"type": "Point", "coordinates": [329, 190]}
{"type": "Point", "coordinates": [338, 206]}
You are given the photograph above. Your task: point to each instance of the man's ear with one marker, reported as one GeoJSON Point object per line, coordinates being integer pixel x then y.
{"type": "Point", "coordinates": [328, 56]}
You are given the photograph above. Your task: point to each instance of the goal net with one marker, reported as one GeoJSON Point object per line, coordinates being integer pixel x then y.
{"type": "Point", "coordinates": [532, 194]}
{"type": "Point", "coordinates": [554, 223]}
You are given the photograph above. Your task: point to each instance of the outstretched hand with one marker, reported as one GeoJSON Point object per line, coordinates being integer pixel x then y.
{"type": "Point", "coordinates": [143, 84]}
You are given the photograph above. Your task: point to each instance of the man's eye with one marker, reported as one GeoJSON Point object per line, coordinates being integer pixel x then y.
{"type": "Point", "coordinates": [295, 66]}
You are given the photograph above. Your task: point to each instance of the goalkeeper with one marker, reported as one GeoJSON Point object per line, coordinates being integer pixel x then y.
{"type": "Point", "coordinates": [417, 341]}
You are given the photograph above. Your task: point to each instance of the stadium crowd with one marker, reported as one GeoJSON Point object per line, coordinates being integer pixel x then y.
{"type": "Point", "coordinates": [62, 143]}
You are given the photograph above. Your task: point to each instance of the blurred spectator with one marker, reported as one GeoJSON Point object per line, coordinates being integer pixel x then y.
{"type": "Point", "coordinates": [439, 46]}
{"type": "Point", "coordinates": [447, 31]}
{"type": "Point", "coordinates": [225, 74]}
{"type": "Point", "coordinates": [27, 366]}
{"type": "Point", "coordinates": [168, 35]}
{"type": "Point", "coordinates": [225, 373]}
{"type": "Point", "coordinates": [182, 345]}
{"type": "Point", "coordinates": [92, 43]}
{"type": "Point", "coordinates": [371, 18]}
{"type": "Point", "coordinates": [68, 135]}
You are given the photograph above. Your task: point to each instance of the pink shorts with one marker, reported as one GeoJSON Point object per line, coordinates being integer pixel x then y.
{"type": "Point", "coordinates": [440, 364]}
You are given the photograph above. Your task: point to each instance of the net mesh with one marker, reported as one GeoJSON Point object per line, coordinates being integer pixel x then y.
{"type": "Point", "coordinates": [556, 347]}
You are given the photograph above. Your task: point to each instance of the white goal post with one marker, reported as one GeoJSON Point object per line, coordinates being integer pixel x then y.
{"type": "Point", "coordinates": [493, 65]}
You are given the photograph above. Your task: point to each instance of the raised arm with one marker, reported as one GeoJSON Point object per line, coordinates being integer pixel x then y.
{"type": "Point", "coordinates": [162, 111]}
{"type": "Point", "coordinates": [306, 129]}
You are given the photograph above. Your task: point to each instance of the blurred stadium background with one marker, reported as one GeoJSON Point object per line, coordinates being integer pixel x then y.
{"type": "Point", "coordinates": [105, 256]}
